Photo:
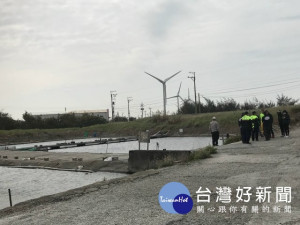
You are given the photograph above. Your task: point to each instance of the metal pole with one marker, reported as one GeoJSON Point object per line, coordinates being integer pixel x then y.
{"type": "Point", "coordinates": [9, 194]}
{"type": "Point", "coordinates": [112, 96]}
{"type": "Point", "coordinates": [194, 79]}
{"type": "Point", "coordinates": [142, 109]}
{"type": "Point", "coordinates": [129, 99]}
{"type": "Point", "coordinates": [199, 103]}
{"type": "Point", "coordinates": [112, 107]}
{"type": "Point", "coordinates": [165, 98]}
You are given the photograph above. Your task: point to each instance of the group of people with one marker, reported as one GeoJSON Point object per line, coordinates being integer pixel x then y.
{"type": "Point", "coordinates": [251, 126]}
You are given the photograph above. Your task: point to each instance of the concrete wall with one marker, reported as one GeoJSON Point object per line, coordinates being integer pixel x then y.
{"type": "Point", "coordinates": [140, 160]}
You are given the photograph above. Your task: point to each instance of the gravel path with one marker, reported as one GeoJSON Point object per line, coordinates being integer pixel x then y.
{"type": "Point", "coordinates": [134, 200]}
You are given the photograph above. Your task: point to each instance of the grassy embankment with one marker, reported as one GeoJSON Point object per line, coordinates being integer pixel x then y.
{"type": "Point", "coordinates": [192, 125]}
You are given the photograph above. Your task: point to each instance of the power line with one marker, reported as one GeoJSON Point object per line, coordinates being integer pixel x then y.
{"type": "Point", "coordinates": [247, 89]}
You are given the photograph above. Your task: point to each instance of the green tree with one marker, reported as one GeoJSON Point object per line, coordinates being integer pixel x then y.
{"type": "Point", "coordinates": [285, 100]}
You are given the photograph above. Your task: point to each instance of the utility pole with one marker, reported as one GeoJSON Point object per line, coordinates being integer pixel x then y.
{"type": "Point", "coordinates": [129, 99]}
{"type": "Point", "coordinates": [150, 111]}
{"type": "Point", "coordinates": [199, 103]}
{"type": "Point", "coordinates": [142, 109]}
{"type": "Point", "coordinates": [164, 88]}
{"type": "Point", "coordinates": [194, 79]}
{"type": "Point", "coordinates": [113, 95]}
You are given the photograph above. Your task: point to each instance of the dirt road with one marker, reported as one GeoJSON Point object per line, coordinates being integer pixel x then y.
{"type": "Point", "coordinates": [134, 200]}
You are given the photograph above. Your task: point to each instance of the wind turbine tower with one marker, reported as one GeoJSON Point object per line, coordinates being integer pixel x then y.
{"type": "Point", "coordinates": [164, 88]}
{"type": "Point", "coordinates": [177, 96]}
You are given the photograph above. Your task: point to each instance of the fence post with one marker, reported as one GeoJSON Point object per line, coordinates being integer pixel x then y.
{"type": "Point", "coordinates": [9, 194]}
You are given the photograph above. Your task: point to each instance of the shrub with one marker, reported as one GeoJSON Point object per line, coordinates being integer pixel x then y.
{"type": "Point", "coordinates": [203, 153]}
{"type": "Point", "coordinates": [211, 149]}
{"type": "Point", "coordinates": [174, 119]}
{"type": "Point", "coordinates": [159, 118]}
{"type": "Point", "coordinates": [232, 139]}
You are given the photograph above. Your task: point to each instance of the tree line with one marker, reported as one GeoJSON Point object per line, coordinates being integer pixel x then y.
{"type": "Point", "coordinates": [70, 120]}
{"type": "Point", "coordinates": [229, 104]}
{"type": "Point", "coordinates": [30, 121]}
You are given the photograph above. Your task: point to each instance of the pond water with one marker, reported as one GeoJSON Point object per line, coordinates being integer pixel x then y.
{"type": "Point", "coordinates": [169, 143]}
{"type": "Point", "coordinates": [27, 184]}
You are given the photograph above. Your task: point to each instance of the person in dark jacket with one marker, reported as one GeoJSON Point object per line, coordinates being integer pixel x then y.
{"type": "Point", "coordinates": [286, 123]}
{"type": "Point", "coordinates": [240, 123]}
{"type": "Point", "coordinates": [279, 114]}
{"type": "Point", "coordinates": [255, 126]}
{"type": "Point", "coordinates": [267, 121]}
{"type": "Point", "coordinates": [246, 127]}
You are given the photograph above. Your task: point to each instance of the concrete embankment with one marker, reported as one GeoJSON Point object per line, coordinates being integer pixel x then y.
{"type": "Point", "coordinates": [65, 161]}
{"type": "Point", "coordinates": [134, 199]}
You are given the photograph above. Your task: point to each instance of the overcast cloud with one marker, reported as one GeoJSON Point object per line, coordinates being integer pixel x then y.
{"type": "Point", "coordinates": [56, 54]}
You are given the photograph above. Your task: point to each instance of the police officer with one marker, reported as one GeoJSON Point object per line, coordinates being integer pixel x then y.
{"type": "Point", "coordinates": [255, 126]}
{"type": "Point", "coordinates": [246, 127]}
{"type": "Point", "coordinates": [240, 123]}
{"type": "Point", "coordinates": [261, 128]}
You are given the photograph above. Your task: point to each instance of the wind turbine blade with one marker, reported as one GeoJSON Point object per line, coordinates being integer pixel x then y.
{"type": "Point", "coordinates": [179, 89]}
{"type": "Point", "coordinates": [181, 98]}
{"type": "Point", "coordinates": [172, 97]}
{"type": "Point", "coordinates": [171, 76]}
{"type": "Point", "coordinates": [155, 77]}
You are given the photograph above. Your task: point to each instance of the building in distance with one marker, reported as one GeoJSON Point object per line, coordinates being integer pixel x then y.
{"type": "Point", "coordinates": [77, 113]}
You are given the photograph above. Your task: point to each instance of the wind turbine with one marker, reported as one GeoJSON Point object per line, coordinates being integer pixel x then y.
{"type": "Point", "coordinates": [177, 96]}
{"type": "Point", "coordinates": [164, 88]}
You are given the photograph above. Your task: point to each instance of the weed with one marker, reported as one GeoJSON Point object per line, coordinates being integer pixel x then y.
{"type": "Point", "coordinates": [232, 139]}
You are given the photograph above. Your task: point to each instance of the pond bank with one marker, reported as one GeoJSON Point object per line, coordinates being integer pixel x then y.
{"type": "Point", "coordinates": [65, 161]}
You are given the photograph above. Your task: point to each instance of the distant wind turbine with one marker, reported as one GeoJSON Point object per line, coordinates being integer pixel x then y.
{"type": "Point", "coordinates": [164, 88]}
{"type": "Point", "coordinates": [177, 96]}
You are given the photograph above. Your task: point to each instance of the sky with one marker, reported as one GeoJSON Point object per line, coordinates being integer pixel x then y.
{"type": "Point", "coordinates": [57, 55]}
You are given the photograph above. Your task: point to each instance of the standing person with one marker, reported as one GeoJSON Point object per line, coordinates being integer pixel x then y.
{"type": "Point", "coordinates": [246, 127]}
{"type": "Point", "coordinates": [267, 122]}
{"type": "Point", "coordinates": [286, 123]}
{"type": "Point", "coordinates": [261, 128]}
{"type": "Point", "coordinates": [240, 123]}
{"type": "Point", "coordinates": [255, 126]}
{"type": "Point", "coordinates": [214, 129]}
{"type": "Point", "coordinates": [279, 115]}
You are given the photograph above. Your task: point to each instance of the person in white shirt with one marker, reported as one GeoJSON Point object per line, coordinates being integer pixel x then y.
{"type": "Point", "coordinates": [214, 129]}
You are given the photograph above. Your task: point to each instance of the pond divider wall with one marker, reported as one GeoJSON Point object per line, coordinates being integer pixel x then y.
{"type": "Point", "coordinates": [140, 160]}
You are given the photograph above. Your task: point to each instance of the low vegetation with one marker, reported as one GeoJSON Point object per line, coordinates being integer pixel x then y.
{"type": "Point", "coordinates": [191, 124]}
{"type": "Point", "coordinates": [232, 139]}
{"type": "Point", "coordinates": [203, 153]}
